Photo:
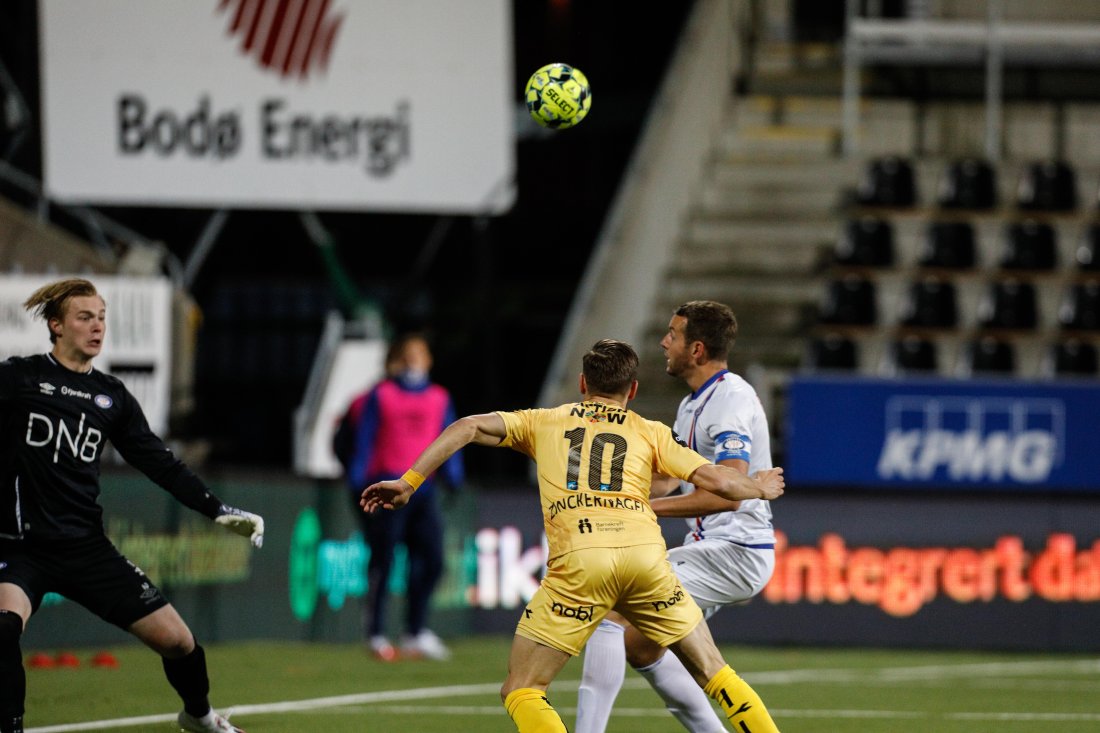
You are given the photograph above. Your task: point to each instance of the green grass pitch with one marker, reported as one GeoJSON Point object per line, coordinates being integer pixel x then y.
{"type": "Point", "coordinates": [272, 687]}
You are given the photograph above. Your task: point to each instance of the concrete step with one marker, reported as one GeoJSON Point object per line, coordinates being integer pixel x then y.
{"type": "Point", "coordinates": [766, 109]}
{"type": "Point", "coordinates": [739, 291]}
{"type": "Point", "coordinates": [823, 81]}
{"type": "Point", "coordinates": [739, 200]}
{"type": "Point", "coordinates": [798, 174]}
{"type": "Point", "coordinates": [761, 261]}
{"type": "Point", "coordinates": [779, 57]}
{"type": "Point", "coordinates": [798, 258]}
{"type": "Point", "coordinates": [762, 232]}
{"type": "Point", "coordinates": [782, 140]}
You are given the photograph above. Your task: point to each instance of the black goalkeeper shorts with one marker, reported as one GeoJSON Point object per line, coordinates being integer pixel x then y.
{"type": "Point", "coordinates": [88, 570]}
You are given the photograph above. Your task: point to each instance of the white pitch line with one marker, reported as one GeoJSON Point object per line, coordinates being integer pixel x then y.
{"type": "Point", "coordinates": [292, 706]}
{"type": "Point", "coordinates": [775, 677]}
{"type": "Point", "coordinates": [1061, 717]}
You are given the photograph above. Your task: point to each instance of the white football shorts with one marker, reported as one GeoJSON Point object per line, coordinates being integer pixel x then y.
{"type": "Point", "coordinates": [721, 573]}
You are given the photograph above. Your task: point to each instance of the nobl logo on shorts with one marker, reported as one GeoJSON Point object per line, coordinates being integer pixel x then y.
{"type": "Point", "coordinates": [676, 597]}
{"type": "Point", "coordinates": [580, 613]}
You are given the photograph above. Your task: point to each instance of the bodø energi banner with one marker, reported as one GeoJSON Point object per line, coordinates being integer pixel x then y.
{"type": "Point", "coordinates": [314, 104]}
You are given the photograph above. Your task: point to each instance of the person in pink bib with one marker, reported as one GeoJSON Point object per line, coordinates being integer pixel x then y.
{"type": "Point", "coordinates": [393, 422]}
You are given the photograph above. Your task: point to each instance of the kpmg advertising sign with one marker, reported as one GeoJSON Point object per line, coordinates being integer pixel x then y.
{"type": "Point", "coordinates": [338, 104]}
{"type": "Point", "coordinates": [943, 433]}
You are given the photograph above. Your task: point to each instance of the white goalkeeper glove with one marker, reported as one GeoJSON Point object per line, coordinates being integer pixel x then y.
{"type": "Point", "coordinates": [243, 523]}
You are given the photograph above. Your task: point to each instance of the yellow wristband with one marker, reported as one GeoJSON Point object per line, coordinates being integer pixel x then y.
{"type": "Point", "coordinates": [413, 479]}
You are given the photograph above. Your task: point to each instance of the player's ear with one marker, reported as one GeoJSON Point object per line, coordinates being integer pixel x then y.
{"type": "Point", "coordinates": [583, 385]}
{"type": "Point", "coordinates": [633, 390]}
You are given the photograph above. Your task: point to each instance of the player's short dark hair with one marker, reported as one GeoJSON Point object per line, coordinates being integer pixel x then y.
{"type": "Point", "coordinates": [610, 367]}
{"type": "Point", "coordinates": [397, 346]}
{"type": "Point", "coordinates": [711, 323]}
{"type": "Point", "coordinates": [50, 301]}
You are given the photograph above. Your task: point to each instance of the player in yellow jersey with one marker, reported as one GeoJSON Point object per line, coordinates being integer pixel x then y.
{"type": "Point", "coordinates": [596, 461]}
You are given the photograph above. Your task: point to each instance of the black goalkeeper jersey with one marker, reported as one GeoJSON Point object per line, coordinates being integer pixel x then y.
{"type": "Point", "coordinates": [54, 424]}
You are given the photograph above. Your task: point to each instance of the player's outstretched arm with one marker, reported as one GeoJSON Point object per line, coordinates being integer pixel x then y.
{"type": "Point", "coordinates": [731, 484]}
{"type": "Point", "coordinates": [771, 482]}
{"type": "Point", "coordinates": [662, 486]}
{"type": "Point", "coordinates": [243, 523]}
{"type": "Point", "coordinates": [487, 429]}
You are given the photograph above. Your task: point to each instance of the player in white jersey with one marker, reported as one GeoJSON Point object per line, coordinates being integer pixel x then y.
{"type": "Point", "coordinates": [729, 553]}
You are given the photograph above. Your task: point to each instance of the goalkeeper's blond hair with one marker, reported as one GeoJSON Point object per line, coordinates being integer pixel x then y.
{"type": "Point", "coordinates": [52, 300]}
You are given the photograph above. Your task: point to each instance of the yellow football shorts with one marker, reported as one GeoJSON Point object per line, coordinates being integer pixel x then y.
{"type": "Point", "coordinates": [580, 587]}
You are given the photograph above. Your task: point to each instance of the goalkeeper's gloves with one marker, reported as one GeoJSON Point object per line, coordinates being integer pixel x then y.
{"type": "Point", "coordinates": [243, 523]}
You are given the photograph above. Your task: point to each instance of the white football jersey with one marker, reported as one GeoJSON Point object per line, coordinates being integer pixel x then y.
{"type": "Point", "coordinates": [724, 419]}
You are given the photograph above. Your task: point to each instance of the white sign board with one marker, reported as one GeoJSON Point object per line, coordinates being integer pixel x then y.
{"type": "Point", "coordinates": [357, 367]}
{"type": "Point", "coordinates": [138, 345]}
{"type": "Point", "coordinates": [300, 104]}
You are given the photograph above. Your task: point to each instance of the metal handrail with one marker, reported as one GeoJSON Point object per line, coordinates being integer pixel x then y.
{"type": "Point", "coordinates": [993, 43]}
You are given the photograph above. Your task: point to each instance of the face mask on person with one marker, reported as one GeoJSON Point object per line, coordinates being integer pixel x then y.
{"type": "Point", "coordinates": [413, 377]}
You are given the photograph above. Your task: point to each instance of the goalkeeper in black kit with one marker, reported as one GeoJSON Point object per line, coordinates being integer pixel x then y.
{"type": "Point", "coordinates": [56, 414]}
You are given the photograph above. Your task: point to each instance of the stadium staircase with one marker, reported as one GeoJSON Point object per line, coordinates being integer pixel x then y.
{"type": "Point", "coordinates": [762, 223]}
{"type": "Point", "coordinates": [763, 229]}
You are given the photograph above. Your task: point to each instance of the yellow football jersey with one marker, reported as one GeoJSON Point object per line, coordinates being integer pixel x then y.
{"type": "Point", "coordinates": [595, 466]}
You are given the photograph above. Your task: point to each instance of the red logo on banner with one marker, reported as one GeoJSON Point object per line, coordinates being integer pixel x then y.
{"type": "Point", "coordinates": [289, 37]}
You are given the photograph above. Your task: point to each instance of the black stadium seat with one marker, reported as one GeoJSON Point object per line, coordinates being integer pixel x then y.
{"type": "Point", "coordinates": [1010, 304]}
{"type": "Point", "coordinates": [970, 183]}
{"type": "Point", "coordinates": [888, 181]}
{"type": "Point", "coordinates": [1088, 250]}
{"type": "Point", "coordinates": [948, 245]}
{"type": "Point", "coordinates": [832, 351]}
{"type": "Point", "coordinates": [866, 242]}
{"type": "Point", "coordinates": [931, 303]}
{"type": "Point", "coordinates": [988, 355]}
{"type": "Point", "coordinates": [1047, 186]}
{"type": "Point", "coordinates": [850, 301]}
{"type": "Point", "coordinates": [1081, 309]}
{"type": "Point", "coordinates": [1074, 357]}
{"type": "Point", "coordinates": [913, 354]}
{"type": "Point", "coordinates": [1029, 245]}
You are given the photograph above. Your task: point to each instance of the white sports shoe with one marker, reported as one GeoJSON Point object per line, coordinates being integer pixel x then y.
{"type": "Point", "coordinates": [209, 723]}
{"type": "Point", "coordinates": [382, 649]}
{"type": "Point", "coordinates": [426, 645]}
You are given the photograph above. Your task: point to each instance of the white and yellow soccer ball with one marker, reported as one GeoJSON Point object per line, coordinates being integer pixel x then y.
{"type": "Point", "coordinates": [558, 96]}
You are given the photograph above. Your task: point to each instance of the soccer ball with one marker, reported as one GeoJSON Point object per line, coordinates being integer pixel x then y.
{"type": "Point", "coordinates": [558, 96]}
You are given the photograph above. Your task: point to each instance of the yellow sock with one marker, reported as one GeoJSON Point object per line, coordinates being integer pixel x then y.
{"type": "Point", "coordinates": [741, 704]}
{"type": "Point", "coordinates": [532, 712]}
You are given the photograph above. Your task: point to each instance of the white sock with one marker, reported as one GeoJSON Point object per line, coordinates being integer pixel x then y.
{"type": "Point", "coordinates": [602, 677]}
{"type": "Point", "coordinates": [683, 696]}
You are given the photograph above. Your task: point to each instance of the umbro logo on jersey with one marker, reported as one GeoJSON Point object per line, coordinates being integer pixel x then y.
{"type": "Point", "coordinates": [46, 388]}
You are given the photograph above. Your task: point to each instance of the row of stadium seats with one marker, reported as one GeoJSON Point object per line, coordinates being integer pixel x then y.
{"type": "Point", "coordinates": [961, 284]}
{"type": "Point", "coordinates": [985, 354]}
{"type": "Point", "coordinates": [953, 244]}
{"type": "Point", "coordinates": [970, 183]}
{"type": "Point", "coordinates": [933, 302]}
